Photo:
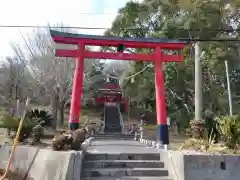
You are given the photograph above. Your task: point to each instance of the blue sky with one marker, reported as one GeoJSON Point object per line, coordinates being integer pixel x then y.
{"type": "Point", "coordinates": [87, 13]}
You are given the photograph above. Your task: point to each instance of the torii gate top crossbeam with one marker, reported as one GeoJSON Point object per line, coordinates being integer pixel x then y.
{"type": "Point", "coordinates": [128, 42]}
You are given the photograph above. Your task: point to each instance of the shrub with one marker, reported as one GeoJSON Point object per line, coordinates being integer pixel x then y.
{"type": "Point", "coordinates": [206, 146]}
{"type": "Point", "coordinates": [188, 133]}
{"type": "Point", "coordinates": [40, 115]}
{"type": "Point", "coordinates": [11, 122]}
{"type": "Point", "coordinates": [196, 144]}
{"type": "Point", "coordinates": [211, 127]}
{"type": "Point", "coordinates": [229, 129]}
{"type": "Point", "coordinates": [197, 128]}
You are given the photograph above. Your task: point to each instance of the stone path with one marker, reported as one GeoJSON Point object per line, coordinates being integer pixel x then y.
{"type": "Point", "coordinates": [118, 147]}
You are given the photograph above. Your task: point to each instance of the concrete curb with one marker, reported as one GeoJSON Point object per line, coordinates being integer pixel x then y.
{"type": "Point", "coordinates": [150, 143]}
{"type": "Point", "coordinates": [44, 163]}
{"type": "Point", "coordinates": [87, 143]}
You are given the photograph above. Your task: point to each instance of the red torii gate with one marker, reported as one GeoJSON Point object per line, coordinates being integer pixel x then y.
{"type": "Point", "coordinates": [158, 57]}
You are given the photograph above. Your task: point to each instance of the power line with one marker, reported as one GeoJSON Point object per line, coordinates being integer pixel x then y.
{"type": "Point", "coordinates": [113, 13]}
{"type": "Point", "coordinates": [209, 40]}
{"type": "Point", "coordinates": [52, 27]}
{"type": "Point", "coordinates": [93, 13]}
{"type": "Point", "coordinates": [138, 29]}
{"type": "Point", "coordinates": [106, 28]}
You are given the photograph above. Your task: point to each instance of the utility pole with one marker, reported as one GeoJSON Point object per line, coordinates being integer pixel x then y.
{"type": "Point", "coordinates": [229, 89]}
{"type": "Point", "coordinates": [198, 83]}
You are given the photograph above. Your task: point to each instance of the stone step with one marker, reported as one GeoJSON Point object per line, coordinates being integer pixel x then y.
{"type": "Point", "coordinates": [123, 164]}
{"type": "Point", "coordinates": [119, 172]}
{"type": "Point", "coordinates": [114, 139]}
{"type": "Point", "coordinates": [113, 125]}
{"type": "Point", "coordinates": [93, 157]}
{"type": "Point", "coordinates": [113, 131]}
{"type": "Point", "coordinates": [128, 178]}
{"type": "Point", "coordinates": [113, 136]}
{"type": "Point", "coordinates": [112, 128]}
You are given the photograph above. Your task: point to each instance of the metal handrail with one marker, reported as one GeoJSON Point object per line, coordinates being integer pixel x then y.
{"type": "Point", "coordinates": [121, 119]}
{"type": "Point", "coordinates": [104, 117]}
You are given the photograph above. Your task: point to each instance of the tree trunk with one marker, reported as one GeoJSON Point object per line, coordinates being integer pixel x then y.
{"type": "Point", "coordinates": [56, 107]}
{"type": "Point", "coordinates": [55, 104]}
{"type": "Point", "coordinates": [54, 114]}
{"type": "Point", "coordinates": [61, 112]}
{"type": "Point", "coordinates": [178, 127]}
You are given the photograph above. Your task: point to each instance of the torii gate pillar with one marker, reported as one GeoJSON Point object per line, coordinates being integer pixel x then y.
{"type": "Point", "coordinates": [77, 89]}
{"type": "Point", "coordinates": [162, 127]}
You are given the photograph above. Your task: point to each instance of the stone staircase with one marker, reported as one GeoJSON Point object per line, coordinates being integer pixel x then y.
{"type": "Point", "coordinates": [112, 119]}
{"type": "Point", "coordinates": [113, 136]}
{"type": "Point", "coordinates": [123, 167]}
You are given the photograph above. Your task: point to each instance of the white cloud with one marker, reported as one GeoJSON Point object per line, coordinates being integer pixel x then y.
{"type": "Point", "coordinates": [41, 12]}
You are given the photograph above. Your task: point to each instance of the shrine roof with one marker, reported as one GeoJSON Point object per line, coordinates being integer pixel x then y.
{"type": "Point", "coordinates": [113, 38]}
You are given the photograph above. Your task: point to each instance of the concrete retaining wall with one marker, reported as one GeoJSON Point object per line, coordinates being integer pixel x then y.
{"type": "Point", "coordinates": [44, 164]}
{"type": "Point", "coordinates": [185, 166]}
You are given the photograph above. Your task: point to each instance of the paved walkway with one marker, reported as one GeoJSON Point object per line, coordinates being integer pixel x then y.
{"type": "Point", "coordinates": [119, 146]}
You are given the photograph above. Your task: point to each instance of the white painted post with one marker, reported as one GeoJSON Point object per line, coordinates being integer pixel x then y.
{"type": "Point", "coordinates": [168, 121]}
{"type": "Point", "coordinates": [229, 89]}
{"type": "Point", "coordinates": [198, 83]}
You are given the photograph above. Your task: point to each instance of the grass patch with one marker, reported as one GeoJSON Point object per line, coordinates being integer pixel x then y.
{"type": "Point", "coordinates": [82, 120]}
{"type": "Point", "coordinates": [150, 127]}
{"type": "Point", "coordinates": [40, 107]}
{"type": "Point", "coordinates": [65, 125]}
{"type": "Point", "coordinates": [201, 145]}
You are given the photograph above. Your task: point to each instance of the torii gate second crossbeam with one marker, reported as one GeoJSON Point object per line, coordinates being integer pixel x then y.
{"type": "Point", "coordinates": [158, 57]}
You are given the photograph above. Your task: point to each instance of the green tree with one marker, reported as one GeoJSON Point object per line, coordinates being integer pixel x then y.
{"type": "Point", "coordinates": [174, 20]}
